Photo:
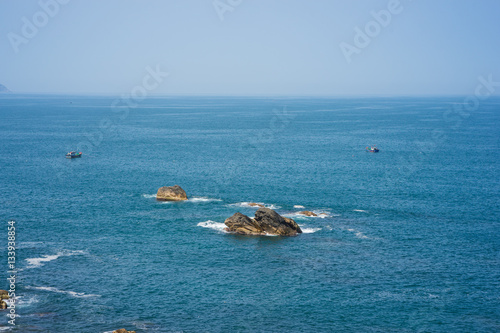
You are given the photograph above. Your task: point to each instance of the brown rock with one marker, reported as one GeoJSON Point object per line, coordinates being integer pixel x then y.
{"type": "Point", "coordinates": [171, 193]}
{"type": "Point", "coordinates": [253, 204]}
{"type": "Point", "coordinates": [3, 305]}
{"type": "Point", "coordinates": [122, 330]}
{"type": "Point", "coordinates": [4, 294]}
{"type": "Point", "coordinates": [266, 221]}
{"type": "Point", "coordinates": [275, 224]}
{"type": "Point", "coordinates": [242, 224]}
{"type": "Point", "coordinates": [307, 213]}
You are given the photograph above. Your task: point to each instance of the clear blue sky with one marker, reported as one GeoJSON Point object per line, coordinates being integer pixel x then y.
{"type": "Point", "coordinates": [284, 47]}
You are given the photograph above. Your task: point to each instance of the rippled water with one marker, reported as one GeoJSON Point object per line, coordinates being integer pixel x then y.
{"type": "Point", "coordinates": [408, 240]}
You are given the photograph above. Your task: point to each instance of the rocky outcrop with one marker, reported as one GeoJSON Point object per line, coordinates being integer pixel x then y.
{"type": "Point", "coordinates": [171, 193]}
{"type": "Point", "coordinates": [4, 294]}
{"type": "Point", "coordinates": [266, 221]}
{"type": "Point", "coordinates": [122, 330]}
{"type": "Point", "coordinates": [253, 204]}
{"type": "Point", "coordinates": [307, 213]}
{"type": "Point", "coordinates": [242, 224]}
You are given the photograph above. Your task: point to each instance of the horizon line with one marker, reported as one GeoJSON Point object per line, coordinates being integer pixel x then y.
{"type": "Point", "coordinates": [110, 94]}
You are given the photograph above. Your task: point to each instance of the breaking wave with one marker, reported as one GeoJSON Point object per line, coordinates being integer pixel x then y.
{"type": "Point", "coordinates": [358, 234]}
{"type": "Point", "coordinates": [22, 301]}
{"type": "Point", "coordinates": [202, 199]}
{"type": "Point", "coordinates": [310, 230]}
{"type": "Point", "coordinates": [247, 205]}
{"type": "Point", "coordinates": [213, 225]}
{"type": "Point", "coordinates": [320, 214]}
{"type": "Point", "coordinates": [71, 293]}
{"type": "Point", "coordinates": [39, 262]}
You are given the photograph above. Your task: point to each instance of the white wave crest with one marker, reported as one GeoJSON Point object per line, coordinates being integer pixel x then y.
{"type": "Point", "coordinates": [39, 262]}
{"type": "Point", "coordinates": [149, 196]}
{"type": "Point", "coordinates": [298, 206]}
{"type": "Point", "coordinates": [71, 293]}
{"type": "Point", "coordinates": [22, 301]}
{"type": "Point", "coordinates": [202, 199]}
{"type": "Point", "coordinates": [319, 214]}
{"type": "Point", "coordinates": [213, 225]}
{"type": "Point", "coordinates": [247, 205]}
{"type": "Point", "coordinates": [309, 230]}
{"type": "Point", "coordinates": [358, 234]}
{"type": "Point", "coordinates": [360, 210]}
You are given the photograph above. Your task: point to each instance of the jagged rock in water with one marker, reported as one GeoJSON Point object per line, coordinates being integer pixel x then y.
{"type": "Point", "coordinates": [171, 193]}
{"type": "Point", "coordinates": [242, 224]}
{"type": "Point", "coordinates": [266, 221]}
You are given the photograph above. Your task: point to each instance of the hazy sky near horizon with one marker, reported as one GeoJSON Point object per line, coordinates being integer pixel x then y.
{"type": "Point", "coordinates": [283, 47]}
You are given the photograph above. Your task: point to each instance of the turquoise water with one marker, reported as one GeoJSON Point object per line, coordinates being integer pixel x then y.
{"type": "Point", "coordinates": [409, 239]}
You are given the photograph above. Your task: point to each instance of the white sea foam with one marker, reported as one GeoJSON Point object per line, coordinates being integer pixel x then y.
{"type": "Point", "coordinates": [22, 301]}
{"type": "Point", "coordinates": [319, 214]}
{"type": "Point", "coordinates": [71, 293]}
{"type": "Point", "coordinates": [358, 233]}
{"type": "Point", "coordinates": [309, 230]}
{"type": "Point", "coordinates": [360, 210]}
{"type": "Point", "coordinates": [247, 205]}
{"type": "Point", "coordinates": [202, 199]}
{"type": "Point", "coordinates": [149, 196]}
{"type": "Point", "coordinates": [298, 206]}
{"type": "Point", "coordinates": [38, 262]}
{"type": "Point", "coordinates": [213, 225]}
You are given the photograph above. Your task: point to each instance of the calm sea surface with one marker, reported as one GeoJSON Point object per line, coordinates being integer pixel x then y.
{"type": "Point", "coordinates": [409, 239]}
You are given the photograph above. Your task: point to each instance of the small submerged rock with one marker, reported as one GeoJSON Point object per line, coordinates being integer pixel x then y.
{"type": "Point", "coordinates": [307, 213]}
{"type": "Point", "coordinates": [171, 193]}
{"type": "Point", "coordinates": [266, 221]}
{"type": "Point", "coordinates": [122, 330]}
{"type": "Point", "coordinates": [254, 204]}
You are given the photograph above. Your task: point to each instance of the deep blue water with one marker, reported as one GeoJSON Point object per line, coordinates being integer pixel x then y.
{"type": "Point", "coordinates": [410, 241]}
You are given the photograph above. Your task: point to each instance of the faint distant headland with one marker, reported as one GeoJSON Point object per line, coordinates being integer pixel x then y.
{"type": "Point", "coordinates": [3, 89]}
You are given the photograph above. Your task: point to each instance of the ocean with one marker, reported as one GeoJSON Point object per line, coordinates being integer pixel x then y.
{"type": "Point", "coordinates": [408, 239]}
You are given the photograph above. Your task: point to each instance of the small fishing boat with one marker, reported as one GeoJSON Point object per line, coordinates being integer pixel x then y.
{"type": "Point", "coordinates": [372, 149]}
{"type": "Point", "coordinates": [73, 154]}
